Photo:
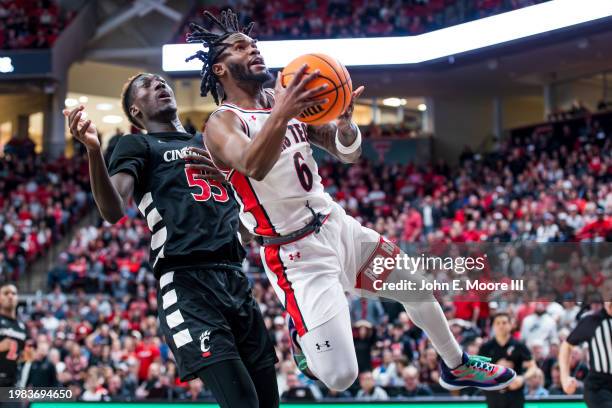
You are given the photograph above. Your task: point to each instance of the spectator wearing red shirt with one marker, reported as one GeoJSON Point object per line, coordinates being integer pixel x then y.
{"type": "Point", "coordinates": [598, 230]}
{"type": "Point", "coordinates": [413, 224]}
{"type": "Point", "coordinates": [147, 353]}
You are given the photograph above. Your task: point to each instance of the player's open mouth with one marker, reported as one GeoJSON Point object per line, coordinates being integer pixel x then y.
{"type": "Point", "coordinates": [164, 95]}
{"type": "Point", "coordinates": [257, 62]}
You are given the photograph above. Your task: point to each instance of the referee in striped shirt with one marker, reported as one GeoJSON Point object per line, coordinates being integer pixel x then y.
{"type": "Point", "coordinates": [596, 329]}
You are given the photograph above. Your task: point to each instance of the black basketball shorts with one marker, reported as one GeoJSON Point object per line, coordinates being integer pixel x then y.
{"type": "Point", "coordinates": [207, 315]}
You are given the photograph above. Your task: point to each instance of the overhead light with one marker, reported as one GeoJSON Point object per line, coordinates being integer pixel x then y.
{"type": "Point", "coordinates": [422, 107]}
{"type": "Point", "coordinates": [104, 106]}
{"type": "Point", "coordinates": [83, 99]}
{"type": "Point", "coordinates": [6, 65]}
{"type": "Point", "coordinates": [394, 102]}
{"type": "Point", "coordinates": [112, 119]}
{"type": "Point", "coordinates": [70, 102]}
{"type": "Point", "coordinates": [473, 35]}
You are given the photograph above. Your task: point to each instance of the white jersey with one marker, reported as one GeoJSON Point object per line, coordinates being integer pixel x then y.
{"type": "Point", "coordinates": [276, 205]}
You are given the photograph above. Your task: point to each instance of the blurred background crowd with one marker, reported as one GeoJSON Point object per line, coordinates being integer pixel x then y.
{"type": "Point", "coordinates": [96, 330]}
{"type": "Point", "coordinates": [92, 319]}
{"type": "Point", "coordinates": [288, 19]}
{"type": "Point", "coordinates": [31, 24]}
{"type": "Point", "coordinates": [40, 199]}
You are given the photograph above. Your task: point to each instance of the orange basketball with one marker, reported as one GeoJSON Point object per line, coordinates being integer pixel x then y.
{"type": "Point", "coordinates": [338, 93]}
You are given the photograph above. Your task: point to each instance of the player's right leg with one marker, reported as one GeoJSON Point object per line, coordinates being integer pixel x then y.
{"type": "Point", "coordinates": [305, 277]}
{"type": "Point", "coordinates": [330, 352]}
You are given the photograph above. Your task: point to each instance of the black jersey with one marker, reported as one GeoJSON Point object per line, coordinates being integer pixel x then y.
{"type": "Point", "coordinates": [191, 221]}
{"type": "Point", "coordinates": [517, 353]}
{"type": "Point", "coordinates": [514, 351]}
{"type": "Point", "coordinates": [596, 329]}
{"type": "Point", "coordinates": [15, 333]}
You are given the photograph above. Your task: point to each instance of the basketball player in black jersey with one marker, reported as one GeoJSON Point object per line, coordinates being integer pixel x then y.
{"type": "Point", "coordinates": [206, 311]}
{"type": "Point", "coordinates": [12, 335]}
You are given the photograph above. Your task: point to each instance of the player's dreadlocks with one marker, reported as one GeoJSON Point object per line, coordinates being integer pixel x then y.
{"type": "Point", "coordinates": [214, 42]}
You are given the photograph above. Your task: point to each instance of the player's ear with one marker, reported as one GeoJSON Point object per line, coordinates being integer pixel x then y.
{"type": "Point", "coordinates": [134, 111]}
{"type": "Point", "coordinates": [219, 69]}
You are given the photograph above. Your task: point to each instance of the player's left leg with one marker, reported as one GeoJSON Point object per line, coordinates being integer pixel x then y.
{"type": "Point", "coordinates": [231, 384]}
{"type": "Point", "coordinates": [458, 370]}
{"type": "Point", "coordinates": [254, 343]}
{"type": "Point", "coordinates": [266, 387]}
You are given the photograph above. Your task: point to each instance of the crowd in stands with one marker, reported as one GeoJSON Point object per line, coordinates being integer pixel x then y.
{"type": "Point", "coordinates": [390, 131]}
{"type": "Point", "coordinates": [31, 24]}
{"type": "Point", "coordinates": [97, 326]}
{"type": "Point", "coordinates": [290, 19]}
{"type": "Point", "coordinates": [39, 200]}
{"type": "Point", "coordinates": [577, 110]}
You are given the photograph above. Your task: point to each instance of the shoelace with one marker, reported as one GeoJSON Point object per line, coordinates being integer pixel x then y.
{"type": "Point", "coordinates": [480, 363]}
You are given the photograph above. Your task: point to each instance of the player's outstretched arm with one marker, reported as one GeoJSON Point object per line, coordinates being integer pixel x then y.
{"type": "Point", "coordinates": [110, 193]}
{"type": "Point", "coordinates": [340, 139]}
{"type": "Point", "coordinates": [228, 143]}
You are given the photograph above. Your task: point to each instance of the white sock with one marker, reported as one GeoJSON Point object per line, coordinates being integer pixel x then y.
{"type": "Point", "coordinates": [428, 316]}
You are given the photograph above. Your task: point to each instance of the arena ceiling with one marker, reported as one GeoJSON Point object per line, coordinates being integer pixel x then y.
{"type": "Point", "coordinates": [131, 34]}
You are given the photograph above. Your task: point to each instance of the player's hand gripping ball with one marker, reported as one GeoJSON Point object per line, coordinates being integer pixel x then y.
{"type": "Point", "coordinates": [338, 93]}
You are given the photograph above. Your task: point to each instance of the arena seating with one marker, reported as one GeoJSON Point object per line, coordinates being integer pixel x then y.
{"type": "Point", "coordinates": [394, 131]}
{"type": "Point", "coordinates": [40, 200]}
{"type": "Point", "coordinates": [287, 19]}
{"type": "Point", "coordinates": [31, 24]}
{"type": "Point", "coordinates": [544, 187]}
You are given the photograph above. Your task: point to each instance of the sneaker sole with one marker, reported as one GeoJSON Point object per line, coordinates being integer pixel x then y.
{"type": "Point", "coordinates": [497, 387]}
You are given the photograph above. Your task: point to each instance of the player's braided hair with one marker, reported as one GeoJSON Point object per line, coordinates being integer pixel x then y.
{"type": "Point", "coordinates": [228, 25]}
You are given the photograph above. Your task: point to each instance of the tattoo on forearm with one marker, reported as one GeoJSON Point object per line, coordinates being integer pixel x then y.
{"type": "Point", "coordinates": [325, 137]}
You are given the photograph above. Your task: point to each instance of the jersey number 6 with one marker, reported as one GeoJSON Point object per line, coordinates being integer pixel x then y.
{"type": "Point", "coordinates": [303, 171]}
{"type": "Point", "coordinates": [206, 188]}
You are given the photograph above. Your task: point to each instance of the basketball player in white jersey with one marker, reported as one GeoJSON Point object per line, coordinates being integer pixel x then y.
{"type": "Point", "coordinates": [311, 249]}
